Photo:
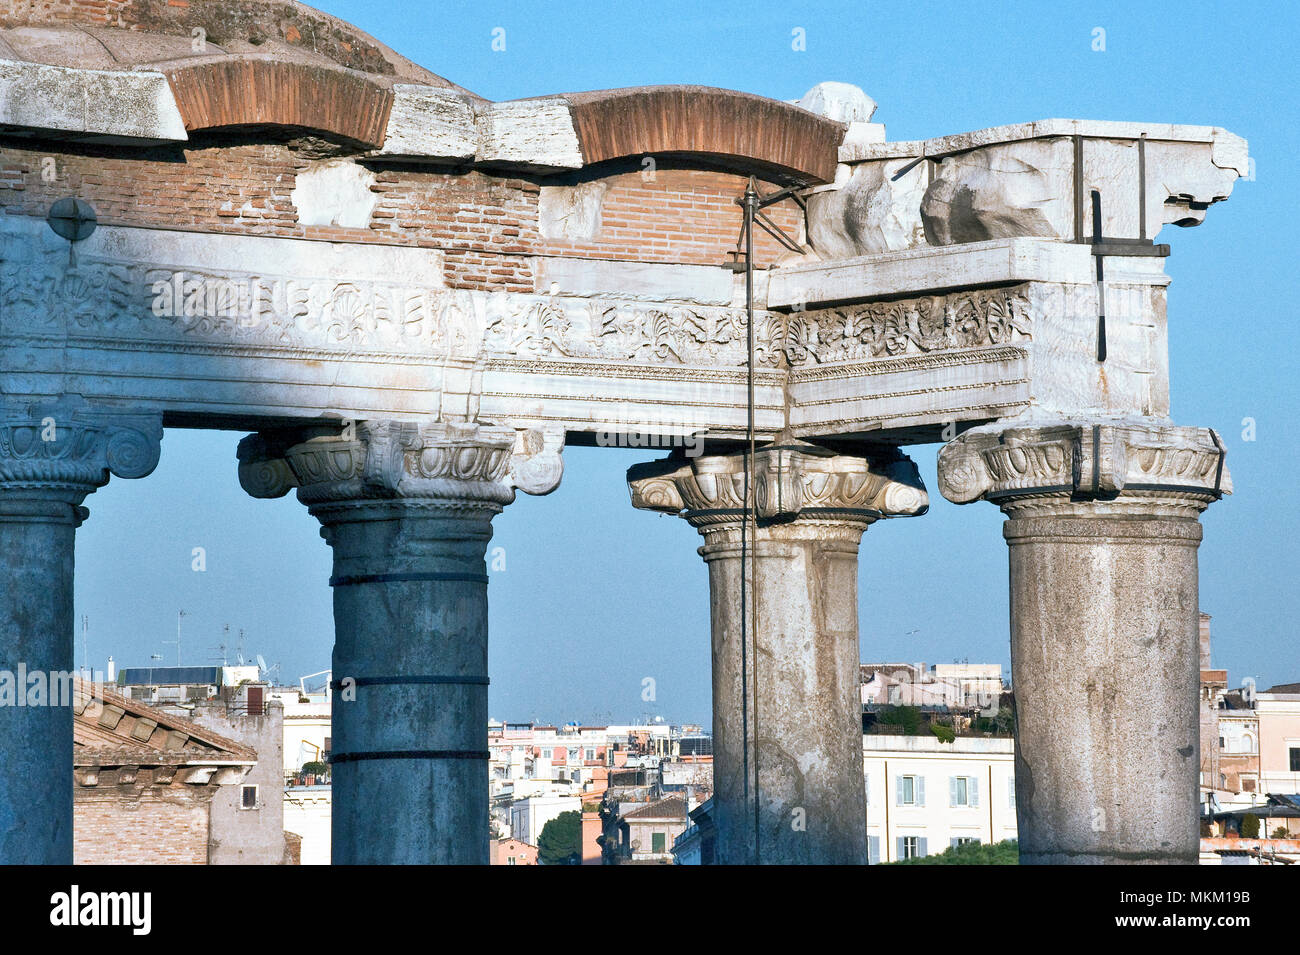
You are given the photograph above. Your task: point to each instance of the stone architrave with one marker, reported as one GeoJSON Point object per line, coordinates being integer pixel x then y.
{"type": "Point", "coordinates": [52, 455]}
{"type": "Point", "coordinates": [1103, 532]}
{"type": "Point", "coordinates": [407, 509]}
{"type": "Point", "coordinates": [787, 720]}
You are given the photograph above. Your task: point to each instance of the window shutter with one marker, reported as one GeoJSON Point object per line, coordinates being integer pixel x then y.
{"type": "Point", "coordinates": [898, 786]}
{"type": "Point", "coordinates": [1011, 793]}
{"type": "Point", "coordinates": [973, 790]}
{"type": "Point", "coordinates": [920, 848]}
{"type": "Point", "coordinates": [898, 849]}
{"type": "Point", "coordinates": [920, 790]}
{"type": "Point", "coordinates": [952, 790]}
{"type": "Point", "coordinates": [953, 842]}
{"type": "Point", "coordinates": [873, 850]}
{"type": "Point", "coordinates": [866, 786]}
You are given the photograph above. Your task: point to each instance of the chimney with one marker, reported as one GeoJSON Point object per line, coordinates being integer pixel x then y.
{"type": "Point", "coordinates": [112, 671]}
{"type": "Point", "coordinates": [1205, 641]}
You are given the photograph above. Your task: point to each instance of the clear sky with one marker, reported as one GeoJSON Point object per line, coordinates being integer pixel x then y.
{"type": "Point", "coordinates": [596, 596]}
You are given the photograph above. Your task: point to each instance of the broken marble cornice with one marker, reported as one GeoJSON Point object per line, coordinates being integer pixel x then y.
{"type": "Point", "coordinates": [842, 102]}
{"type": "Point", "coordinates": [445, 125]}
{"type": "Point", "coordinates": [531, 134]}
{"type": "Point", "coordinates": [100, 105]}
{"type": "Point", "coordinates": [927, 268]}
{"type": "Point", "coordinates": [431, 123]}
{"type": "Point", "coordinates": [1229, 151]}
{"type": "Point", "coordinates": [1020, 180]}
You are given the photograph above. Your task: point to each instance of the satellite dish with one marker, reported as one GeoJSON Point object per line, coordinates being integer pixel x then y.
{"type": "Point", "coordinates": [261, 664]}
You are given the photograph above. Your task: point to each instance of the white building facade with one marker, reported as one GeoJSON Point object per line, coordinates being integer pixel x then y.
{"type": "Point", "coordinates": [924, 796]}
{"type": "Point", "coordinates": [528, 817]}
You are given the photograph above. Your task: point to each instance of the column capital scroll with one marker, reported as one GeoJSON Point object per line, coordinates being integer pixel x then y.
{"type": "Point", "coordinates": [68, 449]}
{"type": "Point", "coordinates": [1067, 463]}
{"type": "Point", "coordinates": [388, 460]}
{"type": "Point", "coordinates": [791, 479]}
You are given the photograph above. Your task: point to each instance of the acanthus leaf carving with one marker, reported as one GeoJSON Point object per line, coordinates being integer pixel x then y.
{"type": "Point", "coordinates": [967, 319]}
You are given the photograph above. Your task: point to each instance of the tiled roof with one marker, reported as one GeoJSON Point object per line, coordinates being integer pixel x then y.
{"type": "Point", "coordinates": [674, 807]}
{"type": "Point", "coordinates": [110, 729]}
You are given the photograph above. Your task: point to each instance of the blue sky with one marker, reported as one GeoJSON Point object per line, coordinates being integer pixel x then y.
{"type": "Point", "coordinates": [596, 596]}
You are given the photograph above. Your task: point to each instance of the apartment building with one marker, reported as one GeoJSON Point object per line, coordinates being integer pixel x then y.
{"type": "Point", "coordinates": [1278, 709]}
{"type": "Point", "coordinates": [924, 795]}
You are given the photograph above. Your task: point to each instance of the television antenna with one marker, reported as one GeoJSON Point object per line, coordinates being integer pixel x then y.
{"type": "Point", "coordinates": [264, 670]}
{"type": "Point", "coordinates": [179, 615]}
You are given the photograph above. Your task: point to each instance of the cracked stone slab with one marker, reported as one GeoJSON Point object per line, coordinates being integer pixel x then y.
{"type": "Point", "coordinates": [108, 104]}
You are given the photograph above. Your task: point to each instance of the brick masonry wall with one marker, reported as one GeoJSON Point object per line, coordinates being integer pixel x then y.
{"type": "Point", "coordinates": [109, 827]}
{"type": "Point", "coordinates": [487, 224]}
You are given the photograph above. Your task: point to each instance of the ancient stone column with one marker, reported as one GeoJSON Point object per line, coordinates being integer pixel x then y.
{"type": "Point", "coordinates": [407, 509]}
{"type": "Point", "coordinates": [1103, 533]}
{"type": "Point", "coordinates": [51, 457]}
{"type": "Point", "coordinates": [787, 715]}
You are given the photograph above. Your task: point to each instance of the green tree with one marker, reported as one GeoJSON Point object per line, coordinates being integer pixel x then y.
{"type": "Point", "coordinates": [908, 717]}
{"type": "Point", "coordinates": [561, 840]}
{"type": "Point", "coordinates": [972, 853]}
{"type": "Point", "coordinates": [1249, 828]}
{"type": "Point", "coordinates": [944, 733]}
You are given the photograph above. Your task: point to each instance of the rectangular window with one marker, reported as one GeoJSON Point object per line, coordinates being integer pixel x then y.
{"type": "Point", "coordinates": [956, 841]}
{"type": "Point", "coordinates": [657, 842]}
{"type": "Point", "coordinates": [248, 797]}
{"type": "Point", "coordinates": [1295, 759]}
{"type": "Point", "coordinates": [910, 791]}
{"type": "Point", "coordinates": [964, 791]}
{"type": "Point", "coordinates": [873, 850]}
{"type": "Point", "coordinates": [910, 847]}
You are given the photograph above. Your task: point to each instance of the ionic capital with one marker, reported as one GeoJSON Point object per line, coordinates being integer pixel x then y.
{"type": "Point", "coordinates": [791, 480]}
{"type": "Point", "coordinates": [460, 463]}
{"type": "Point", "coordinates": [66, 449]}
{"type": "Point", "coordinates": [1059, 465]}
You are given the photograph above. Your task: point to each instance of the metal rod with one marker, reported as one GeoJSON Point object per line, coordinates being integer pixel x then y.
{"type": "Point", "coordinates": [746, 625]}
{"type": "Point", "coordinates": [1101, 276]}
{"type": "Point", "coordinates": [776, 232]}
{"type": "Point", "coordinates": [1142, 186]}
{"type": "Point", "coordinates": [1078, 188]}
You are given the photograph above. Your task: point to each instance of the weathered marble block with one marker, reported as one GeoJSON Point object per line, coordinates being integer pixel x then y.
{"type": "Point", "coordinates": [1030, 179]}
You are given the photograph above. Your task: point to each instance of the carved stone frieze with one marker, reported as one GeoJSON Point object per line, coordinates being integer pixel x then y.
{"type": "Point", "coordinates": [969, 319]}
{"type": "Point", "coordinates": [102, 297]}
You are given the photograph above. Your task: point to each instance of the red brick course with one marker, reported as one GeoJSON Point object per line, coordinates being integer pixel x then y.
{"type": "Point", "coordinates": [487, 223]}
{"type": "Point", "coordinates": [140, 829]}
